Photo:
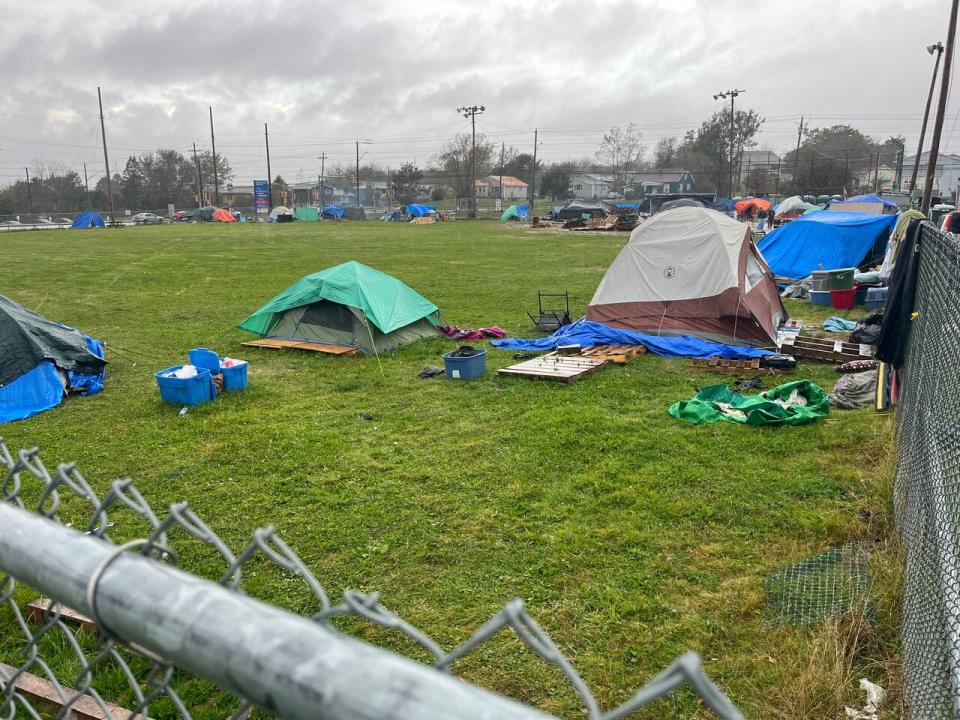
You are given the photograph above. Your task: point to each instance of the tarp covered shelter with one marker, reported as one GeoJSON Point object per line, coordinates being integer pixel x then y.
{"type": "Point", "coordinates": [280, 214]}
{"type": "Point", "coordinates": [332, 212]}
{"type": "Point", "coordinates": [691, 271]}
{"type": "Point", "coordinates": [516, 213]}
{"type": "Point", "coordinates": [576, 209]}
{"type": "Point", "coordinates": [221, 215]}
{"type": "Point", "coordinates": [204, 214]}
{"type": "Point", "coordinates": [352, 305]}
{"type": "Point", "coordinates": [756, 204]}
{"type": "Point", "coordinates": [416, 210]}
{"type": "Point", "coordinates": [682, 202]}
{"type": "Point", "coordinates": [826, 241]}
{"type": "Point", "coordinates": [869, 204]}
{"type": "Point", "coordinates": [40, 361]}
{"type": "Point", "coordinates": [793, 205]}
{"type": "Point", "coordinates": [88, 219]}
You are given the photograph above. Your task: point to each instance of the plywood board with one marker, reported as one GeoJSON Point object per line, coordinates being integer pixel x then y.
{"type": "Point", "coordinates": [562, 368]}
{"type": "Point", "coordinates": [277, 344]}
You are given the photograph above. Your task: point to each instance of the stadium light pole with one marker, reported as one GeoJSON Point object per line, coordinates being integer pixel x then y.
{"type": "Point", "coordinates": [470, 112]}
{"type": "Point", "coordinates": [936, 48]}
{"type": "Point", "coordinates": [732, 94]}
{"type": "Point", "coordinates": [365, 142]}
{"type": "Point", "coordinates": [941, 110]}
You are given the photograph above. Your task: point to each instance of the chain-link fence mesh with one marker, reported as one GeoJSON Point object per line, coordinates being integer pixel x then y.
{"type": "Point", "coordinates": [927, 484]}
{"type": "Point", "coordinates": [120, 621]}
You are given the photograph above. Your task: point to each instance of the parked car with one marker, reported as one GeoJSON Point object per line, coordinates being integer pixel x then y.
{"type": "Point", "coordinates": [10, 223]}
{"type": "Point", "coordinates": [146, 218]}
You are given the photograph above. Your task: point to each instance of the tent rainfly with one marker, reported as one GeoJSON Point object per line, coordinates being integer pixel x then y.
{"type": "Point", "coordinates": [86, 220]}
{"type": "Point", "coordinates": [691, 271]}
{"type": "Point", "coordinates": [351, 305]}
{"type": "Point", "coordinates": [516, 213]}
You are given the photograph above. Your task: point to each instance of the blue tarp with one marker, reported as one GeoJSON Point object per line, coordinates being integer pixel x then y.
{"type": "Point", "coordinates": [865, 199]}
{"type": "Point", "coordinates": [587, 333]}
{"type": "Point", "coordinates": [631, 204]}
{"type": "Point", "coordinates": [416, 210]}
{"type": "Point", "coordinates": [520, 212]}
{"type": "Point", "coordinates": [334, 212]}
{"type": "Point", "coordinates": [825, 241]}
{"type": "Point", "coordinates": [90, 384]}
{"type": "Point", "coordinates": [88, 219]}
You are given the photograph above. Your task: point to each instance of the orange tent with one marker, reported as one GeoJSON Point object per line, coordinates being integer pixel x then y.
{"type": "Point", "coordinates": [221, 215]}
{"type": "Point", "coordinates": [758, 203]}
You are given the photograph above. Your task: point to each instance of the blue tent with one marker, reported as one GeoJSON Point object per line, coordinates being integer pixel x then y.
{"type": "Point", "coordinates": [332, 212]}
{"type": "Point", "coordinates": [88, 219]}
{"type": "Point", "coordinates": [864, 199]}
{"type": "Point", "coordinates": [826, 241]}
{"type": "Point", "coordinates": [416, 210]}
{"type": "Point", "coordinates": [516, 212]}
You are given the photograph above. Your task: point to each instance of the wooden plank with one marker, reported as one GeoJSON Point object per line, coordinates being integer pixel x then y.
{"type": "Point", "coordinates": [727, 366]}
{"type": "Point", "coordinates": [40, 690]}
{"type": "Point", "coordinates": [276, 344]}
{"type": "Point", "coordinates": [829, 350]}
{"type": "Point", "coordinates": [37, 608]}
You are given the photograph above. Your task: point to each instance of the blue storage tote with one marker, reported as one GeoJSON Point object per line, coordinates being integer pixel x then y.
{"type": "Point", "coordinates": [204, 358]}
{"type": "Point", "coordinates": [876, 297]}
{"type": "Point", "coordinates": [186, 391]}
{"type": "Point", "coordinates": [465, 367]}
{"type": "Point", "coordinates": [235, 378]}
{"type": "Point", "coordinates": [820, 297]}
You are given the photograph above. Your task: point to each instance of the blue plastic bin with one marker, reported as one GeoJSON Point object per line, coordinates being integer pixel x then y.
{"type": "Point", "coordinates": [204, 358]}
{"type": "Point", "coordinates": [876, 298]}
{"type": "Point", "coordinates": [235, 378]}
{"type": "Point", "coordinates": [820, 297]}
{"type": "Point", "coordinates": [186, 391]}
{"type": "Point", "coordinates": [465, 368]}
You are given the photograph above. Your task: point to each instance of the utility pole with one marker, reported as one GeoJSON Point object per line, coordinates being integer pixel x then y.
{"type": "Point", "coordinates": [796, 156]}
{"type": "Point", "coordinates": [941, 110]}
{"type": "Point", "coordinates": [86, 186]}
{"type": "Point", "coordinates": [533, 173]}
{"type": "Point", "coordinates": [938, 49]}
{"type": "Point", "coordinates": [846, 167]}
{"type": "Point", "coordinates": [196, 161]}
{"type": "Point", "coordinates": [106, 160]}
{"type": "Point", "coordinates": [266, 138]}
{"type": "Point", "coordinates": [358, 173]}
{"type": "Point", "coordinates": [776, 184]}
{"type": "Point", "coordinates": [471, 112]}
{"type": "Point", "coordinates": [29, 193]}
{"type": "Point", "coordinates": [323, 159]}
{"type": "Point", "coordinates": [876, 175]}
{"type": "Point", "coordinates": [898, 168]}
{"type": "Point", "coordinates": [732, 94]}
{"type": "Point", "coordinates": [213, 145]}
{"type": "Point", "coordinates": [502, 148]}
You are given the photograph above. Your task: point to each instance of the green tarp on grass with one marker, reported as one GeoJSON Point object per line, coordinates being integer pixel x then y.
{"type": "Point", "coordinates": [800, 402]}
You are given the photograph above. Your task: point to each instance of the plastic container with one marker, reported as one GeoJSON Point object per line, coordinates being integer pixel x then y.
{"type": "Point", "coordinates": [820, 297]}
{"type": "Point", "coordinates": [876, 297]}
{"type": "Point", "coordinates": [842, 279]}
{"type": "Point", "coordinates": [861, 293]}
{"type": "Point", "coordinates": [821, 280]}
{"type": "Point", "coordinates": [843, 299]}
{"type": "Point", "coordinates": [186, 391]}
{"type": "Point", "coordinates": [204, 358]}
{"type": "Point", "coordinates": [235, 378]}
{"type": "Point", "coordinates": [465, 368]}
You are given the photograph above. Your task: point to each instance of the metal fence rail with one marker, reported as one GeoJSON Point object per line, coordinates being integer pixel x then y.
{"type": "Point", "coordinates": [152, 617]}
{"type": "Point", "coordinates": [927, 484]}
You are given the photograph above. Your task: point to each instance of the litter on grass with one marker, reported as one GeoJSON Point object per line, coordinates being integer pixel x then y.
{"type": "Point", "coordinates": [792, 403]}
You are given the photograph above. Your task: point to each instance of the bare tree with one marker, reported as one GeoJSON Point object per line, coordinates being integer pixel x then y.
{"type": "Point", "coordinates": [665, 152]}
{"type": "Point", "coordinates": [456, 159]}
{"type": "Point", "coordinates": [621, 150]}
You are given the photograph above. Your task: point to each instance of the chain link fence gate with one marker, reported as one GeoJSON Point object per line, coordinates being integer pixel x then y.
{"type": "Point", "coordinates": [153, 621]}
{"type": "Point", "coordinates": [927, 484]}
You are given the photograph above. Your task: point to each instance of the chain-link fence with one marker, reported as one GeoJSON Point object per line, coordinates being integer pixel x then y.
{"type": "Point", "coordinates": [118, 624]}
{"type": "Point", "coordinates": [927, 484]}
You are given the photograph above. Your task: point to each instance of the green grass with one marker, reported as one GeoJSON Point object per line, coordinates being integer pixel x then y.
{"type": "Point", "coordinates": [631, 536]}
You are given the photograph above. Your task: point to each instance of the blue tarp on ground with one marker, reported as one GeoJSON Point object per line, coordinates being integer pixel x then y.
{"type": "Point", "coordinates": [825, 241]}
{"type": "Point", "coordinates": [88, 219]}
{"type": "Point", "coordinates": [333, 212]}
{"type": "Point", "coordinates": [587, 333]}
{"type": "Point", "coordinates": [416, 210]}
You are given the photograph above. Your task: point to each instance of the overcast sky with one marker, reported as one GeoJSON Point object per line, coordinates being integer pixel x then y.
{"type": "Point", "coordinates": [325, 73]}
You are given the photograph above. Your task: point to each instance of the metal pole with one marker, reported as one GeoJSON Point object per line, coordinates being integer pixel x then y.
{"type": "Point", "coordinates": [876, 175]}
{"type": "Point", "coordinates": [796, 156]}
{"type": "Point", "coordinates": [473, 164]}
{"type": "Point", "coordinates": [323, 158]}
{"type": "Point", "coordinates": [732, 96]}
{"type": "Point", "coordinates": [926, 114]}
{"type": "Point", "coordinates": [86, 186]}
{"type": "Point", "coordinates": [533, 174]}
{"type": "Point", "coordinates": [196, 161]}
{"type": "Point", "coordinates": [846, 166]}
{"type": "Point", "coordinates": [941, 110]}
{"type": "Point", "coordinates": [358, 173]}
{"type": "Point", "coordinates": [502, 147]}
{"type": "Point", "coordinates": [776, 184]}
{"type": "Point", "coordinates": [106, 159]}
{"type": "Point", "coordinates": [29, 193]}
{"type": "Point", "coordinates": [290, 666]}
{"type": "Point", "coordinates": [266, 138]}
{"type": "Point", "coordinates": [213, 145]}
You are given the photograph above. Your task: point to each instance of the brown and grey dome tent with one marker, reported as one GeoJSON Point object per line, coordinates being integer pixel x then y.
{"type": "Point", "coordinates": [691, 271]}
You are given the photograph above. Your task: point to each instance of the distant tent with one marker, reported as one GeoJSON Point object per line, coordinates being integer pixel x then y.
{"type": "Point", "coordinates": [88, 219]}
{"type": "Point", "coordinates": [691, 271]}
{"type": "Point", "coordinates": [576, 209]}
{"type": "Point", "coordinates": [416, 210]}
{"type": "Point", "coordinates": [332, 212]}
{"type": "Point", "coordinates": [41, 361]}
{"type": "Point", "coordinates": [280, 214]}
{"type": "Point", "coordinates": [869, 204]}
{"type": "Point", "coordinates": [516, 213]}
{"type": "Point", "coordinates": [723, 205]}
{"type": "Point", "coordinates": [826, 241]}
{"type": "Point", "coordinates": [201, 214]}
{"type": "Point", "coordinates": [221, 215]}
{"type": "Point", "coordinates": [793, 205]}
{"type": "Point", "coordinates": [351, 305]}
{"type": "Point", "coordinates": [756, 204]}
{"type": "Point", "coordinates": [682, 202]}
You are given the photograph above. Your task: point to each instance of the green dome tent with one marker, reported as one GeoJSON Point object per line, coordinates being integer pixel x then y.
{"type": "Point", "coordinates": [516, 213]}
{"type": "Point", "coordinates": [351, 305]}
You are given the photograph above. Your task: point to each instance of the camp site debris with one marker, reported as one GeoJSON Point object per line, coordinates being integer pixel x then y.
{"type": "Point", "coordinates": [554, 366]}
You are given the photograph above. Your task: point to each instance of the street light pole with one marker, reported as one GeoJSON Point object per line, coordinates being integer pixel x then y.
{"type": "Point", "coordinates": [29, 194]}
{"type": "Point", "coordinates": [941, 110]}
{"type": "Point", "coordinates": [323, 159]}
{"type": "Point", "coordinates": [732, 94]}
{"type": "Point", "coordinates": [938, 49]}
{"type": "Point", "coordinates": [471, 113]}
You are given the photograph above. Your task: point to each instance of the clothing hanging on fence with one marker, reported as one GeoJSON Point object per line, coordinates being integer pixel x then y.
{"type": "Point", "coordinates": [898, 311]}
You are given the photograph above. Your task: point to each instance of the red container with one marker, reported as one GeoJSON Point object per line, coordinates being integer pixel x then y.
{"type": "Point", "coordinates": [843, 299]}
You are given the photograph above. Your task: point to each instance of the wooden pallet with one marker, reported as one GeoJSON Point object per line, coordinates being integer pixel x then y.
{"type": "Point", "coordinates": [827, 350]}
{"type": "Point", "coordinates": [728, 367]}
{"type": "Point", "coordinates": [37, 608]}
{"type": "Point", "coordinates": [563, 368]}
{"type": "Point", "coordinates": [276, 344]}
{"type": "Point", "coordinates": [619, 354]}
{"type": "Point", "coordinates": [42, 692]}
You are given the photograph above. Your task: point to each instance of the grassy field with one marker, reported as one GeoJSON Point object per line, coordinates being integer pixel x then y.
{"type": "Point", "coordinates": [631, 536]}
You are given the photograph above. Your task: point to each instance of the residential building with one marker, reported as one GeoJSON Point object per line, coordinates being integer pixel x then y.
{"type": "Point", "coordinates": [946, 178]}
{"type": "Point", "coordinates": [871, 180]}
{"type": "Point", "coordinates": [664, 181]}
{"type": "Point", "coordinates": [513, 188]}
{"type": "Point", "coordinates": [590, 185]}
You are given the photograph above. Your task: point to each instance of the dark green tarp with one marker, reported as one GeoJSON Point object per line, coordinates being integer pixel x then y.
{"type": "Point", "coordinates": [203, 213]}
{"type": "Point", "coordinates": [26, 338]}
{"type": "Point", "coordinates": [718, 402]}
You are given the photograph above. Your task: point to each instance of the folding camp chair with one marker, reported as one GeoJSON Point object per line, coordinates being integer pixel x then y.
{"type": "Point", "coordinates": [550, 320]}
